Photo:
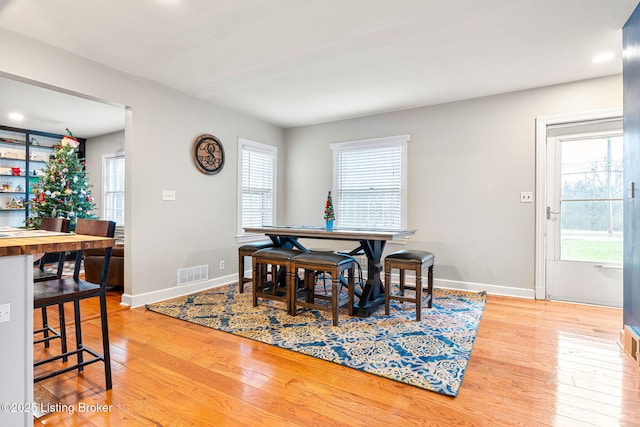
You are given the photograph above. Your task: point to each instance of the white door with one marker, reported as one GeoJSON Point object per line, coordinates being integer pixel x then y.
{"type": "Point", "coordinates": [584, 213]}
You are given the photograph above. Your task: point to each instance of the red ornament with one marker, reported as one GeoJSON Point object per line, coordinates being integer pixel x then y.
{"type": "Point", "coordinates": [88, 199]}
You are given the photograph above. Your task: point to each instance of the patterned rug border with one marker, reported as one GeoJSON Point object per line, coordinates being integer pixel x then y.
{"type": "Point", "coordinates": [432, 354]}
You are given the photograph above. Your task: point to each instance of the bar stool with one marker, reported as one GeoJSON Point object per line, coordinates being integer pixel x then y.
{"type": "Point", "coordinates": [73, 290]}
{"type": "Point", "coordinates": [48, 332]}
{"type": "Point", "coordinates": [332, 264]}
{"type": "Point", "coordinates": [281, 275]}
{"type": "Point", "coordinates": [415, 260]}
{"type": "Point", "coordinates": [246, 251]}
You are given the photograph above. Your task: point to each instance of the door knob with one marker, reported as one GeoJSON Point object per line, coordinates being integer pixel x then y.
{"type": "Point", "coordinates": [549, 212]}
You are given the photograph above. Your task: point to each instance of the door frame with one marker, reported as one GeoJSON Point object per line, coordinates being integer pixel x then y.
{"type": "Point", "coordinates": [541, 184]}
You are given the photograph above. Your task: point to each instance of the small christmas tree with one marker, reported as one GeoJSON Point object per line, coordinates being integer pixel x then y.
{"type": "Point", "coordinates": [63, 191]}
{"type": "Point", "coordinates": [329, 214]}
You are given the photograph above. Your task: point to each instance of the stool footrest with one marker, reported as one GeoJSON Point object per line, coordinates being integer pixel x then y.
{"type": "Point", "coordinates": [335, 265]}
{"type": "Point", "coordinates": [97, 357]}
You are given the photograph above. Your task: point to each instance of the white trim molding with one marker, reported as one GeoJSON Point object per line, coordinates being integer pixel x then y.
{"type": "Point", "coordinates": [257, 148]}
{"type": "Point", "coordinates": [541, 182]}
{"type": "Point", "coordinates": [140, 300]}
{"type": "Point", "coordinates": [507, 291]}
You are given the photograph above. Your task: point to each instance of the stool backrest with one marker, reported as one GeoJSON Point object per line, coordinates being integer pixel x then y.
{"type": "Point", "coordinates": [55, 224]}
{"type": "Point", "coordinates": [95, 227]}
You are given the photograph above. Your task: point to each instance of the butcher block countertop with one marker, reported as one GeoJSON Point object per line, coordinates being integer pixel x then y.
{"type": "Point", "coordinates": [42, 242]}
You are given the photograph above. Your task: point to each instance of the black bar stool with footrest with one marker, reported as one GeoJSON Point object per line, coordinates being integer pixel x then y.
{"type": "Point", "coordinates": [417, 261]}
{"type": "Point", "coordinates": [246, 251]}
{"type": "Point", "coordinates": [60, 225]}
{"type": "Point", "coordinates": [59, 291]}
{"type": "Point", "coordinates": [333, 264]}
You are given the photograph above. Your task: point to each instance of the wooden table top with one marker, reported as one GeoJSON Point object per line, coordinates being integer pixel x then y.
{"type": "Point", "coordinates": [55, 242]}
{"type": "Point", "coordinates": [331, 233]}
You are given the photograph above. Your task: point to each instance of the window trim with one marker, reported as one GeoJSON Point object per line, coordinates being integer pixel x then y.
{"type": "Point", "coordinates": [397, 140]}
{"type": "Point", "coordinates": [105, 159]}
{"type": "Point", "coordinates": [241, 236]}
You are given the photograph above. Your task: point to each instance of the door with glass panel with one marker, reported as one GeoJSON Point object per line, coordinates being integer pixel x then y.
{"type": "Point", "coordinates": [584, 213]}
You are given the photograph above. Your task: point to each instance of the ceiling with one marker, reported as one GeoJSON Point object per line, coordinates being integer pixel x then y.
{"type": "Point", "coordinates": [51, 111]}
{"type": "Point", "coordinates": [300, 62]}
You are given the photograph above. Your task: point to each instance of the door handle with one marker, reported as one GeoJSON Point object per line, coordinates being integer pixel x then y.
{"type": "Point", "coordinates": [549, 212]}
{"type": "Point", "coordinates": [609, 266]}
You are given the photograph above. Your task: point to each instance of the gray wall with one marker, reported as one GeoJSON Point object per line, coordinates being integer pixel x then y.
{"type": "Point", "coordinates": [199, 227]}
{"type": "Point", "coordinates": [468, 162]}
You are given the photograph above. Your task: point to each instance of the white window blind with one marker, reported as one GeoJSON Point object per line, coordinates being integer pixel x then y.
{"type": "Point", "coordinates": [257, 184]}
{"type": "Point", "coordinates": [113, 188]}
{"type": "Point", "coordinates": [370, 183]}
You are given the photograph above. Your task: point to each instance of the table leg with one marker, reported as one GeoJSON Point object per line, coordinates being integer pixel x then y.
{"type": "Point", "coordinates": [286, 242]}
{"type": "Point", "coordinates": [373, 291]}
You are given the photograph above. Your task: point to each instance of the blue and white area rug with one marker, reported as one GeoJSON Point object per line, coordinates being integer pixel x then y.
{"type": "Point", "coordinates": [432, 354]}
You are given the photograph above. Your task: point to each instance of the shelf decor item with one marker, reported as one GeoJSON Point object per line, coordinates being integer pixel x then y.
{"type": "Point", "coordinates": [63, 190]}
{"type": "Point", "coordinates": [329, 214]}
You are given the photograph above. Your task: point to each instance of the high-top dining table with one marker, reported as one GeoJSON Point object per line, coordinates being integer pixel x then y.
{"type": "Point", "coordinates": [371, 241]}
{"type": "Point", "coordinates": [17, 247]}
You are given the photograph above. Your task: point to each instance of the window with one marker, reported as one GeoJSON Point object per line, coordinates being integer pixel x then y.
{"type": "Point", "coordinates": [257, 184]}
{"type": "Point", "coordinates": [113, 187]}
{"type": "Point", "coordinates": [370, 182]}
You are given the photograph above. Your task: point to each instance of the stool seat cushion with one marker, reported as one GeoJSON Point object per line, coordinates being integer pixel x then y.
{"type": "Point", "coordinates": [416, 255]}
{"type": "Point", "coordinates": [256, 246]}
{"type": "Point", "coordinates": [275, 254]}
{"type": "Point", "coordinates": [324, 258]}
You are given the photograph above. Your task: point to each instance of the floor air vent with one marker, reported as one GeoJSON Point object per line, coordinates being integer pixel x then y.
{"type": "Point", "coordinates": [190, 275]}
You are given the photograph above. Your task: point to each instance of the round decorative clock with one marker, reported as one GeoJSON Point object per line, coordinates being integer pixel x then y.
{"type": "Point", "coordinates": [208, 154]}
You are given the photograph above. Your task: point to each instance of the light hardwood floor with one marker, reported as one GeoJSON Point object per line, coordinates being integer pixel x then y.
{"type": "Point", "coordinates": [533, 363]}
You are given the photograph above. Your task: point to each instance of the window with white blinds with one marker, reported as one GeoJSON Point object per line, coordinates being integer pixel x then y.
{"type": "Point", "coordinates": [113, 187]}
{"type": "Point", "coordinates": [370, 183]}
{"type": "Point", "coordinates": [257, 182]}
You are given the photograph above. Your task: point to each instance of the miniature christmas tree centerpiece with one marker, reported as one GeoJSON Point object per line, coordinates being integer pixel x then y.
{"type": "Point", "coordinates": [63, 191]}
{"type": "Point", "coordinates": [329, 214]}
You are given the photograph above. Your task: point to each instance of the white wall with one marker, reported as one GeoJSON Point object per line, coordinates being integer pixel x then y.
{"type": "Point", "coordinates": [199, 227]}
{"type": "Point", "coordinates": [468, 162]}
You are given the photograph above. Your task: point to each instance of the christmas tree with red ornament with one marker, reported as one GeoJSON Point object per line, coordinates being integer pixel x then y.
{"type": "Point", "coordinates": [63, 190]}
{"type": "Point", "coordinates": [329, 214]}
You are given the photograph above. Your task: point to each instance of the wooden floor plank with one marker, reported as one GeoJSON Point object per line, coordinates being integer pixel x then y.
{"type": "Point", "coordinates": [534, 363]}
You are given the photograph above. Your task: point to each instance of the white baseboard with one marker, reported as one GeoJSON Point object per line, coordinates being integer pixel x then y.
{"type": "Point", "coordinates": [490, 289]}
{"type": "Point", "coordinates": [458, 285]}
{"type": "Point", "coordinates": [139, 300]}
{"type": "Point", "coordinates": [164, 294]}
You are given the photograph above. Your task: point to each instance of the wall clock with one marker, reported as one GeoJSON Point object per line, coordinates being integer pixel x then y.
{"type": "Point", "coordinates": [208, 154]}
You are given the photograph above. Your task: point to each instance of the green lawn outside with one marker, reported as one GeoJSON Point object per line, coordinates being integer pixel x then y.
{"type": "Point", "coordinates": [592, 250]}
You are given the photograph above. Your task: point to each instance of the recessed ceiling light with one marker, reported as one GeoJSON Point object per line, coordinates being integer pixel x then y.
{"type": "Point", "coordinates": [18, 117]}
{"type": "Point", "coordinates": [604, 57]}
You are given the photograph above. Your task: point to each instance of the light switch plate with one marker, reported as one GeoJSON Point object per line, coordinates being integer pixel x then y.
{"type": "Point", "coordinates": [168, 195]}
{"type": "Point", "coordinates": [526, 197]}
{"type": "Point", "coordinates": [5, 312]}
